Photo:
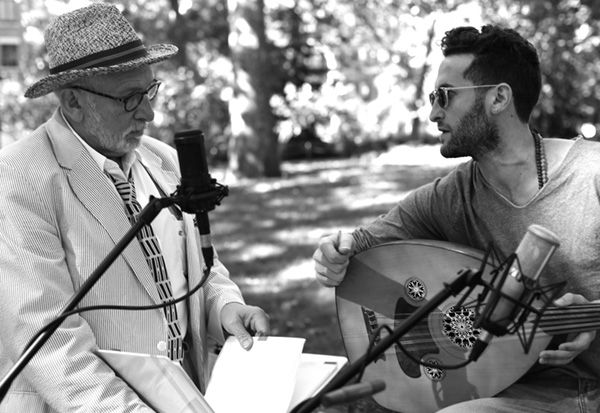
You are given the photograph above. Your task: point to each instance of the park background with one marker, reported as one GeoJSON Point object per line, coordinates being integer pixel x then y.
{"type": "Point", "coordinates": [314, 114]}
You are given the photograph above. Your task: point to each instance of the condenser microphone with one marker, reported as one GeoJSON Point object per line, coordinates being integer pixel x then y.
{"type": "Point", "coordinates": [532, 255]}
{"type": "Point", "coordinates": [196, 185]}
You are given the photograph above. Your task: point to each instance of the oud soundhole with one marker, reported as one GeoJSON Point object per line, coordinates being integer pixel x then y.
{"type": "Point", "coordinates": [457, 325]}
{"type": "Point", "coordinates": [415, 289]}
{"type": "Point", "coordinates": [434, 373]}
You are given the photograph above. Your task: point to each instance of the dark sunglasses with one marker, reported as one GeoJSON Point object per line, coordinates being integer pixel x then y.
{"type": "Point", "coordinates": [131, 102]}
{"type": "Point", "coordinates": [441, 94]}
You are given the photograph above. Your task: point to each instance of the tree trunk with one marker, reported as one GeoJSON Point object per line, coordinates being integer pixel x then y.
{"type": "Point", "coordinates": [416, 123]}
{"type": "Point", "coordinates": [253, 148]}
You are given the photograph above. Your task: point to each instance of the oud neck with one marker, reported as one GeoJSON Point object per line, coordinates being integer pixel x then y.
{"type": "Point", "coordinates": [571, 319]}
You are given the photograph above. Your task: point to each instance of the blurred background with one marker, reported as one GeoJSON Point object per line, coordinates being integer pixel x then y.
{"type": "Point", "coordinates": [314, 113]}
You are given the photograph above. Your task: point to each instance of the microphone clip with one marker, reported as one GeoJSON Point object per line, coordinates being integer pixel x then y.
{"type": "Point", "coordinates": [193, 201]}
{"type": "Point", "coordinates": [529, 306]}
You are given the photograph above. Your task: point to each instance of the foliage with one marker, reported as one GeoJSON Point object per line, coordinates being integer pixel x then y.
{"type": "Point", "coordinates": [567, 35]}
{"type": "Point", "coordinates": [357, 70]}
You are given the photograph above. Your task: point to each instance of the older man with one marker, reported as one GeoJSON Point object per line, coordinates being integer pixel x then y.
{"type": "Point", "coordinates": [68, 193]}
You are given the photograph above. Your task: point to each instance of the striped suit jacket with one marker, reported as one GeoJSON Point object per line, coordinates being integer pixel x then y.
{"type": "Point", "coordinates": [59, 217]}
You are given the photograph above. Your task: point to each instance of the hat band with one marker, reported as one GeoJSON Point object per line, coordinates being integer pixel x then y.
{"type": "Point", "coordinates": [110, 57]}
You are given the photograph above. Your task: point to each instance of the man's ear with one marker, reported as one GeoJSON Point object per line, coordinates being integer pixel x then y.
{"type": "Point", "coordinates": [502, 98]}
{"type": "Point", "coordinates": [70, 102]}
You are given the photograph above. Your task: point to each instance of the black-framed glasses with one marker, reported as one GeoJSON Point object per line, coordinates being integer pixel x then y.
{"type": "Point", "coordinates": [130, 102]}
{"type": "Point", "coordinates": [441, 94]}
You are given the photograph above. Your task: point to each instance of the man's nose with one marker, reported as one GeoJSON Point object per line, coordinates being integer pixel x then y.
{"type": "Point", "coordinates": [437, 113]}
{"type": "Point", "coordinates": [144, 111]}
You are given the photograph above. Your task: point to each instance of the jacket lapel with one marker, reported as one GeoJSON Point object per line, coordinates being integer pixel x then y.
{"type": "Point", "coordinates": [166, 180]}
{"type": "Point", "coordinates": [91, 186]}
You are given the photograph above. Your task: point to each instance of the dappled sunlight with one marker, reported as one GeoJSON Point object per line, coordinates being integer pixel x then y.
{"type": "Point", "coordinates": [263, 187]}
{"type": "Point", "coordinates": [299, 235]}
{"type": "Point", "coordinates": [333, 176]}
{"type": "Point", "coordinates": [379, 200]}
{"type": "Point", "coordinates": [225, 245]}
{"type": "Point", "coordinates": [292, 215]}
{"type": "Point", "coordinates": [226, 225]}
{"type": "Point", "coordinates": [260, 251]}
{"type": "Point", "coordinates": [267, 230]}
{"type": "Point", "coordinates": [300, 271]}
{"type": "Point", "coordinates": [416, 155]}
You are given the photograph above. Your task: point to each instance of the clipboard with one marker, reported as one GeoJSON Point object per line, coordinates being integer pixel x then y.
{"type": "Point", "coordinates": [161, 383]}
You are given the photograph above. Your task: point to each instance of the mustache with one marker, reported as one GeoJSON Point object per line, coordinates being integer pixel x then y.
{"type": "Point", "coordinates": [137, 128]}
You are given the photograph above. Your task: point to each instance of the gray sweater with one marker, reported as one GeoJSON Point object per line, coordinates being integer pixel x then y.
{"type": "Point", "coordinates": [462, 207]}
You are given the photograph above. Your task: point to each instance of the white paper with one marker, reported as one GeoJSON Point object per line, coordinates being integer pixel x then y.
{"type": "Point", "coordinates": [259, 380]}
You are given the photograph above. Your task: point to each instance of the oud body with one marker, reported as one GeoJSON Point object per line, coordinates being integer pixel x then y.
{"type": "Point", "coordinates": [384, 285]}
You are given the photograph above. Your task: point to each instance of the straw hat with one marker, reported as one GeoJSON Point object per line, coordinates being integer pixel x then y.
{"type": "Point", "coordinates": [93, 40]}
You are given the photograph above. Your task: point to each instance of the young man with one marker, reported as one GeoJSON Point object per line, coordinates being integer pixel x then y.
{"type": "Point", "coordinates": [487, 86]}
{"type": "Point", "coordinates": [67, 195]}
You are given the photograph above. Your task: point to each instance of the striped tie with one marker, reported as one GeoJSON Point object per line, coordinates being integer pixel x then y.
{"type": "Point", "coordinates": [156, 262]}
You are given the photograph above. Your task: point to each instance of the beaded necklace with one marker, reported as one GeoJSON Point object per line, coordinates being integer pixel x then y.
{"type": "Point", "coordinates": [540, 160]}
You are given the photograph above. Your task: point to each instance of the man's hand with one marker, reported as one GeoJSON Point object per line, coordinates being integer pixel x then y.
{"type": "Point", "coordinates": [331, 258]}
{"type": "Point", "coordinates": [567, 351]}
{"type": "Point", "coordinates": [244, 320]}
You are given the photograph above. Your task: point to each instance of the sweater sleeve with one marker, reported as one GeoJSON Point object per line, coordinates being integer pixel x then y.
{"type": "Point", "coordinates": [431, 211]}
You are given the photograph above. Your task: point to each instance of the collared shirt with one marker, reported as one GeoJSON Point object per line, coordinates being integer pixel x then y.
{"type": "Point", "coordinates": [167, 227]}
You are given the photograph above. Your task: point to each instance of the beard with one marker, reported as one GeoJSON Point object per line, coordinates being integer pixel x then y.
{"type": "Point", "coordinates": [474, 135]}
{"type": "Point", "coordinates": [108, 142]}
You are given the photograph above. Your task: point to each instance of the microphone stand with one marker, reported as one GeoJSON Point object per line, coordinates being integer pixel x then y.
{"type": "Point", "coordinates": [186, 199]}
{"type": "Point", "coordinates": [465, 278]}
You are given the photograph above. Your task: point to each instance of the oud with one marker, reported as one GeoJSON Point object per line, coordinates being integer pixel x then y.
{"type": "Point", "coordinates": [386, 284]}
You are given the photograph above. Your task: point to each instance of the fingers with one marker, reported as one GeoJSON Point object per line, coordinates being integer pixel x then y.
{"type": "Point", "coordinates": [260, 321]}
{"type": "Point", "coordinates": [556, 357]}
{"type": "Point", "coordinates": [567, 351]}
{"type": "Point", "coordinates": [570, 298]}
{"type": "Point", "coordinates": [244, 338]}
{"type": "Point", "coordinates": [336, 247]}
{"type": "Point", "coordinates": [345, 243]}
{"type": "Point", "coordinates": [332, 257]}
{"type": "Point", "coordinates": [240, 320]}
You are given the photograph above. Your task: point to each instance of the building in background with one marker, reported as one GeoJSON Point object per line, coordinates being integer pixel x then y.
{"type": "Point", "coordinates": [11, 37]}
{"type": "Point", "coordinates": [11, 45]}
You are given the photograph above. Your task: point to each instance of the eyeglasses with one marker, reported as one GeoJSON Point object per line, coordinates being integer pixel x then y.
{"type": "Point", "coordinates": [441, 94]}
{"type": "Point", "coordinates": [131, 102]}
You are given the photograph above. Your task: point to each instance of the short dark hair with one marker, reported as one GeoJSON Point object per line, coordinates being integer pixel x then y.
{"type": "Point", "coordinates": [501, 55]}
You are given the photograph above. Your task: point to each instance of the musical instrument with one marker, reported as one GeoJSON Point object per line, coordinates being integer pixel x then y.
{"type": "Point", "coordinates": [385, 284]}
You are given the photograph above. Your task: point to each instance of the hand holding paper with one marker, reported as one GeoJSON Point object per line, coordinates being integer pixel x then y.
{"type": "Point", "coordinates": [273, 377]}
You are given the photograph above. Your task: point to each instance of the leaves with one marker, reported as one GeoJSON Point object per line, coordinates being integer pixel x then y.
{"type": "Point", "coordinates": [358, 69]}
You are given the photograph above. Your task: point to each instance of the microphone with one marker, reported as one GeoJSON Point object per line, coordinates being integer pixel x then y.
{"type": "Point", "coordinates": [197, 186]}
{"type": "Point", "coordinates": [352, 392]}
{"type": "Point", "coordinates": [532, 255]}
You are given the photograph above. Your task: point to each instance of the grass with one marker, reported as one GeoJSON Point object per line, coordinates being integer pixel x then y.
{"type": "Point", "coordinates": [267, 230]}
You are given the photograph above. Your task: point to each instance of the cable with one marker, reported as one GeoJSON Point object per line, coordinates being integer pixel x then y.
{"type": "Point", "coordinates": [410, 356]}
{"type": "Point", "coordinates": [59, 319]}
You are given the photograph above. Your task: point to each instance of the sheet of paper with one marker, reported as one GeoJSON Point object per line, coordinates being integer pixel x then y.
{"type": "Point", "coordinates": [314, 372]}
{"type": "Point", "coordinates": [259, 380]}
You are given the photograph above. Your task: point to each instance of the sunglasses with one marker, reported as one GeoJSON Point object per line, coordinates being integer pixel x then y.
{"type": "Point", "coordinates": [131, 102]}
{"type": "Point", "coordinates": [441, 94]}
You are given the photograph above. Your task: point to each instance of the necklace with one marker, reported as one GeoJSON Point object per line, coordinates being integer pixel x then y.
{"type": "Point", "coordinates": [540, 160]}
